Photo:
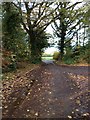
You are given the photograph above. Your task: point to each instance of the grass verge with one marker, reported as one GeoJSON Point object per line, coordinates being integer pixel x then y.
{"type": "Point", "coordinates": [76, 64]}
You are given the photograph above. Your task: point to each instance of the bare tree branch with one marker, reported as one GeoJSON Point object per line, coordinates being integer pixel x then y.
{"type": "Point", "coordinates": [73, 5]}
{"type": "Point", "coordinates": [21, 12]}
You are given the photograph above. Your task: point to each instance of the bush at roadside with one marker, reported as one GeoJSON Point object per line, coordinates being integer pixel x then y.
{"type": "Point", "coordinates": [56, 55]}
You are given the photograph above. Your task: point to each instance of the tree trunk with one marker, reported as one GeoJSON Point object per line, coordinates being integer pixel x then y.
{"type": "Point", "coordinates": [77, 42]}
{"type": "Point", "coordinates": [35, 52]}
{"type": "Point", "coordinates": [62, 48]}
{"type": "Point", "coordinates": [84, 37]}
{"type": "Point", "coordinates": [63, 33]}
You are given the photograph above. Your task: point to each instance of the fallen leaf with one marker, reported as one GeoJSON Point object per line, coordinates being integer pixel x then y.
{"type": "Point", "coordinates": [78, 101]}
{"type": "Point", "coordinates": [77, 110]}
{"type": "Point", "coordinates": [85, 114]}
{"type": "Point", "coordinates": [69, 116]}
{"type": "Point", "coordinates": [36, 113]}
{"type": "Point", "coordinates": [28, 110]}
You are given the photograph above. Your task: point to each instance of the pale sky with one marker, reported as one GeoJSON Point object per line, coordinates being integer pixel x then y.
{"type": "Point", "coordinates": [51, 50]}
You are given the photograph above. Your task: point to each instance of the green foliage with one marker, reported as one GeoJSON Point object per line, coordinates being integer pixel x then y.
{"type": "Point", "coordinates": [8, 61]}
{"type": "Point", "coordinates": [84, 54]}
{"type": "Point", "coordinates": [80, 54]}
{"type": "Point", "coordinates": [13, 34]}
{"type": "Point", "coordinates": [40, 41]}
{"type": "Point", "coordinates": [56, 55]}
{"type": "Point", "coordinates": [13, 38]}
{"type": "Point", "coordinates": [69, 60]}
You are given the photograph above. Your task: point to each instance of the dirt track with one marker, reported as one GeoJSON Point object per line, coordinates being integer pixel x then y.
{"type": "Point", "coordinates": [56, 92]}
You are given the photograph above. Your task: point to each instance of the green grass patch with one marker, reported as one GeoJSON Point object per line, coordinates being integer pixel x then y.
{"type": "Point", "coordinates": [47, 58]}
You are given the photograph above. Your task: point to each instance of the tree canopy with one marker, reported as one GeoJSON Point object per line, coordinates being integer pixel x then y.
{"type": "Point", "coordinates": [24, 26]}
